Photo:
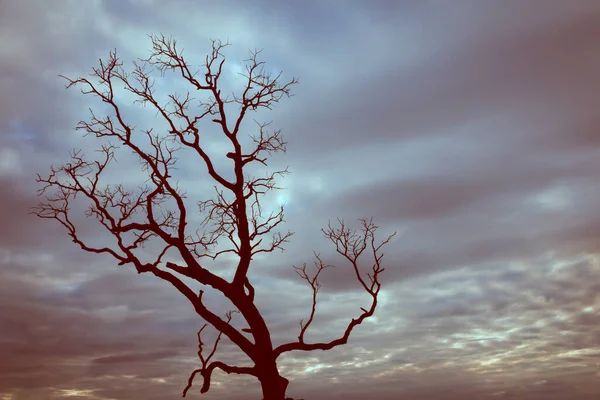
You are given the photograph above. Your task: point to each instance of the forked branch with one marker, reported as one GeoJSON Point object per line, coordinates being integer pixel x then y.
{"type": "Point", "coordinates": [351, 245]}
{"type": "Point", "coordinates": [315, 285]}
{"type": "Point", "coordinates": [208, 367]}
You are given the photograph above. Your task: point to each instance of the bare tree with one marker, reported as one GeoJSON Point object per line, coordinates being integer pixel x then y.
{"type": "Point", "coordinates": [234, 215]}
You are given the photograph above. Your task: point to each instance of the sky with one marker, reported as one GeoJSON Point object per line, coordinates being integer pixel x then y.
{"type": "Point", "coordinates": [469, 127]}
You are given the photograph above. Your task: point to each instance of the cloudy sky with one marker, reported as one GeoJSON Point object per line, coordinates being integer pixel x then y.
{"type": "Point", "coordinates": [469, 127]}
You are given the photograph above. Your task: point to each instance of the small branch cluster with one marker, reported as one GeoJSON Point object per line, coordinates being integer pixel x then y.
{"type": "Point", "coordinates": [262, 89]}
{"type": "Point", "coordinates": [261, 224]}
{"type": "Point", "coordinates": [112, 206]}
{"type": "Point", "coordinates": [264, 143]}
{"type": "Point", "coordinates": [351, 245]}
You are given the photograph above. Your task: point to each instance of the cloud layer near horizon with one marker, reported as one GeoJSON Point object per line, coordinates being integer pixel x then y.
{"type": "Point", "coordinates": [469, 127]}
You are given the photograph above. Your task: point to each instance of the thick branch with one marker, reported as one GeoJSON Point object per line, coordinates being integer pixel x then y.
{"type": "Point", "coordinates": [220, 325]}
{"type": "Point", "coordinates": [206, 369]}
{"type": "Point", "coordinates": [207, 372]}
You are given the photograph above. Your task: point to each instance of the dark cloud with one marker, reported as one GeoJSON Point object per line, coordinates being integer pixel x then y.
{"type": "Point", "coordinates": [469, 128]}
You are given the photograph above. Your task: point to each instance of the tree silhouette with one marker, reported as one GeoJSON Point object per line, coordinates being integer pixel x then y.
{"type": "Point", "coordinates": [234, 215]}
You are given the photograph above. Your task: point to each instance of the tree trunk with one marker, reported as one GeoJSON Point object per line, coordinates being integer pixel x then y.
{"type": "Point", "coordinates": [273, 385]}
